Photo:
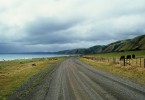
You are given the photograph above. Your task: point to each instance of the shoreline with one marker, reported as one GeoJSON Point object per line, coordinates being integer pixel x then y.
{"type": "Point", "coordinates": [12, 57]}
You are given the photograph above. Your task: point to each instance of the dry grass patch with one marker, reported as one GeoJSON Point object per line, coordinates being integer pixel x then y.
{"type": "Point", "coordinates": [14, 73]}
{"type": "Point", "coordinates": [136, 74]}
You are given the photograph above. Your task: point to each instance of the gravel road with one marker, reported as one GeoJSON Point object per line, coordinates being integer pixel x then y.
{"type": "Point", "coordinates": [74, 80]}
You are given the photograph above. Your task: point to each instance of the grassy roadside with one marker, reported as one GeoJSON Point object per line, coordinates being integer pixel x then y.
{"type": "Point", "coordinates": [136, 74]}
{"type": "Point", "coordinates": [14, 73]}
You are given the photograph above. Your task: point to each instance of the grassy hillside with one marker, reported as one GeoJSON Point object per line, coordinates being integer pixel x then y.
{"type": "Point", "coordinates": [75, 51]}
{"type": "Point", "coordinates": [140, 53]}
{"type": "Point", "coordinates": [137, 43]}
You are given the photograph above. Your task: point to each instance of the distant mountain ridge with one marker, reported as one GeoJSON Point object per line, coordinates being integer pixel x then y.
{"type": "Point", "coordinates": [30, 53]}
{"type": "Point", "coordinates": [137, 43]}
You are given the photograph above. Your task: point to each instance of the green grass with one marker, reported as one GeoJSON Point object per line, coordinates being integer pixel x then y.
{"type": "Point", "coordinates": [14, 73]}
{"type": "Point", "coordinates": [140, 53]}
{"type": "Point", "coordinates": [134, 73]}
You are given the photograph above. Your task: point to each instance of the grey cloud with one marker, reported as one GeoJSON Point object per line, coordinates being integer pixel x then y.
{"type": "Point", "coordinates": [43, 26]}
{"type": "Point", "coordinates": [2, 9]}
{"type": "Point", "coordinates": [8, 48]}
{"type": "Point", "coordinates": [49, 31]}
{"type": "Point", "coordinates": [55, 38]}
{"type": "Point", "coordinates": [55, 32]}
{"type": "Point", "coordinates": [77, 27]}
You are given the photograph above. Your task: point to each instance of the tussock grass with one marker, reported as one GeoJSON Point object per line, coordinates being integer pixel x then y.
{"type": "Point", "coordinates": [134, 73]}
{"type": "Point", "coordinates": [14, 73]}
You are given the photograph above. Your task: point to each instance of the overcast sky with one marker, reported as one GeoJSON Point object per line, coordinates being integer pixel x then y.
{"type": "Point", "coordinates": [54, 25]}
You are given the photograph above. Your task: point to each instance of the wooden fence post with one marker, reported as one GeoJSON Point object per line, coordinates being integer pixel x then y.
{"type": "Point", "coordinates": [113, 60]}
{"type": "Point", "coordinates": [124, 61]}
{"type": "Point", "coordinates": [136, 61]}
{"type": "Point", "coordinates": [144, 62]}
{"type": "Point", "coordinates": [140, 61]}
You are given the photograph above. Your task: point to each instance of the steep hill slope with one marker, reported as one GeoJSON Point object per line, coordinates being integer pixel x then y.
{"type": "Point", "coordinates": [137, 43]}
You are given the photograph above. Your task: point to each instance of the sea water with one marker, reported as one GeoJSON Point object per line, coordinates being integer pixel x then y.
{"type": "Point", "coordinates": [27, 56]}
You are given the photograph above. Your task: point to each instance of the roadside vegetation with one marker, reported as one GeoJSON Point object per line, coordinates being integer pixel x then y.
{"type": "Point", "coordinates": [16, 72]}
{"type": "Point", "coordinates": [134, 73]}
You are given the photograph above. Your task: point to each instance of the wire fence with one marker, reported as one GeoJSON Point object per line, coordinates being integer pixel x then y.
{"type": "Point", "coordinates": [138, 61]}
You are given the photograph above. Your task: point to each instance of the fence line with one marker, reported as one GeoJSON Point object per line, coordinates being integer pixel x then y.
{"type": "Point", "coordinates": [139, 61]}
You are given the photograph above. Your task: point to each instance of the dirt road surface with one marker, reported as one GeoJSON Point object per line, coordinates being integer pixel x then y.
{"type": "Point", "coordinates": [74, 80]}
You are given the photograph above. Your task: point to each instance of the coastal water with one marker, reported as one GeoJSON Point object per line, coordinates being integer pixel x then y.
{"type": "Point", "coordinates": [27, 56]}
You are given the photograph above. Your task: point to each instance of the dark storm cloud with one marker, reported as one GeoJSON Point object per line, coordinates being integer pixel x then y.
{"type": "Point", "coordinates": [50, 31]}
{"type": "Point", "coordinates": [42, 26]}
{"type": "Point", "coordinates": [8, 47]}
